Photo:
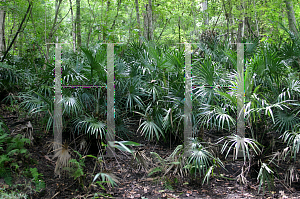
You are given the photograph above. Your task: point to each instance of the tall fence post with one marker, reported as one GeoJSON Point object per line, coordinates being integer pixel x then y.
{"type": "Point", "coordinates": [240, 91]}
{"type": "Point", "coordinates": [110, 136]}
{"type": "Point", "coordinates": [187, 95]}
{"type": "Point", "coordinates": [57, 116]}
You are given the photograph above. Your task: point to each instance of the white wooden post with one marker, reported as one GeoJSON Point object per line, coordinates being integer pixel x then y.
{"type": "Point", "coordinates": [187, 95]}
{"type": "Point", "coordinates": [240, 91]}
{"type": "Point", "coordinates": [57, 117]}
{"type": "Point", "coordinates": [110, 136]}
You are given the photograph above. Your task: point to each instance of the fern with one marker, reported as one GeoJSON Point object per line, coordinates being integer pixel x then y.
{"type": "Point", "coordinates": [17, 143]}
{"type": "Point", "coordinates": [6, 174]}
{"type": "Point", "coordinates": [77, 168]}
{"type": "Point", "coordinates": [39, 184]}
{"type": "Point", "coordinates": [4, 158]}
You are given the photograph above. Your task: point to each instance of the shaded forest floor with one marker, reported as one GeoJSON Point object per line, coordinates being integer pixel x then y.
{"type": "Point", "coordinates": [133, 182]}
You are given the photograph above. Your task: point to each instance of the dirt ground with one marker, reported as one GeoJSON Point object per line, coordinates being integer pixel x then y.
{"type": "Point", "coordinates": [134, 183]}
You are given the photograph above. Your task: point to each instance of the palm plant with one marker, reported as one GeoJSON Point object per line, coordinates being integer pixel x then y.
{"type": "Point", "coordinates": [36, 103]}
{"type": "Point", "coordinates": [91, 126]}
{"type": "Point", "coordinates": [216, 108]}
{"type": "Point", "coordinates": [175, 163]}
{"type": "Point", "coordinates": [9, 76]}
{"type": "Point", "coordinates": [154, 86]}
{"type": "Point", "coordinates": [240, 144]}
{"type": "Point", "coordinates": [293, 140]}
{"type": "Point", "coordinates": [265, 176]}
{"type": "Point", "coordinates": [63, 156]}
{"type": "Point", "coordinates": [201, 159]}
{"type": "Point", "coordinates": [289, 52]}
{"type": "Point", "coordinates": [149, 127]}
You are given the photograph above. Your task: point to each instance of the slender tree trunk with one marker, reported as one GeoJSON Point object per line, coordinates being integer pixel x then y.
{"type": "Point", "coordinates": [167, 21]}
{"type": "Point", "coordinates": [150, 19]}
{"type": "Point", "coordinates": [101, 21]}
{"type": "Point", "coordinates": [227, 17]}
{"type": "Point", "coordinates": [138, 18]}
{"type": "Point", "coordinates": [241, 25]}
{"type": "Point", "coordinates": [73, 27]}
{"type": "Point", "coordinates": [256, 22]}
{"type": "Point", "coordinates": [291, 16]}
{"type": "Point", "coordinates": [18, 31]}
{"type": "Point", "coordinates": [179, 37]}
{"type": "Point", "coordinates": [129, 25]}
{"type": "Point", "coordinates": [240, 33]}
{"type": "Point", "coordinates": [53, 29]}
{"type": "Point", "coordinates": [78, 24]}
{"type": "Point", "coordinates": [118, 8]}
{"type": "Point", "coordinates": [106, 19]}
{"type": "Point", "coordinates": [146, 24]}
{"type": "Point", "coordinates": [2, 31]}
{"type": "Point", "coordinates": [21, 45]}
{"type": "Point", "coordinates": [251, 32]}
{"type": "Point", "coordinates": [205, 17]}
{"type": "Point", "coordinates": [37, 45]}
{"type": "Point", "coordinates": [91, 25]}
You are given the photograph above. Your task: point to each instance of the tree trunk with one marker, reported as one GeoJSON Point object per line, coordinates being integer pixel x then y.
{"type": "Point", "coordinates": [240, 33]}
{"type": "Point", "coordinates": [241, 25]}
{"type": "Point", "coordinates": [73, 27]}
{"type": "Point", "coordinates": [205, 17]}
{"type": "Point", "coordinates": [227, 17]}
{"type": "Point", "coordinates": [18, 31]}
{"type": "Point", "coordinates": [101, 21]}
{"type": "Point", "coordinates": [138, 18]}
{"type": "Point", "coordinates": [78, 24]}
{"type": "Point", "coordinates": [148, 22]}
{"type": "Point", "coordinates": [291, 16]}
{"type": "Point", "coordinates": [91, 24]}
{"type": "Point", "coordinates": [150, 19]}
{"type": "Point", "coordinates": [130, 25]}
{"type": "Point", "coordinates": [106, 18]}
{"type": "Point", "coordinates": [256, 21]}
{"type": "Point", "coordinates": [114, 22]}
{"type": "Point", "coordinates": [179, 37]}
{"type": "Point", "coordinates": [2, 31]}
{"type": "Point", "coordinates": [167, 22]}
{"type": "Point", "coordinates": [21, 45]}
{"type": "Point", "coordinates": [53, 29]}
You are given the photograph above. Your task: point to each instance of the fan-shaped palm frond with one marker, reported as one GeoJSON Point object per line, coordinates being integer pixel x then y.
{"type": "Point", "coordinates": [201, 159]}
{"type": "Point", "coordinates": [215, 116]}
{"type": "Point", "coordinates": [265, 176]}
{"type": "Point", "coordinates": [72, 105]}
{"type": "Point", "coordinates": [108, 178]}
{"type": "Point", "coordinates": [97, 62]}
{"type": "Point", "coordinates": [90, 125]}
{"type": "Point", "coordinates": [35, 102]}
{"type": "Point", "coordinates": [285, 120]}
{"type": "Point", "coordinates": [63, 156]}
{"type": "Point", "coordinates": [70, 75]}
{"type": "Point", "coordinates": [8, 75]}
{"type": "Point", "coordinates": [149, 128]}
{"type": "Point", "coordinates": [240, 144]}
{"type": "Point", "coordinates": [293, 140]}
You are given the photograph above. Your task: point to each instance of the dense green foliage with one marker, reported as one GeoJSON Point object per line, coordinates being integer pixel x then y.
{"type": "Point", "coordinates": [150, 86]}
